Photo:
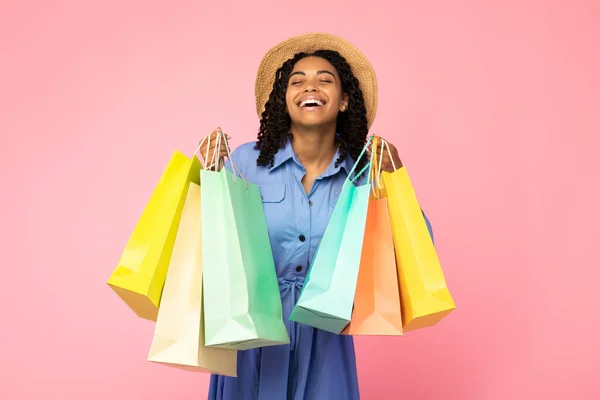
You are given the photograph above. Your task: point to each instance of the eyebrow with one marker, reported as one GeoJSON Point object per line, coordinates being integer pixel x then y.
{"type": "Point", "coordinates": [318, 73]}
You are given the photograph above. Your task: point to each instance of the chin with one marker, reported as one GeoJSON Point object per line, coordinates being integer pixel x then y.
{"type": "Point", "coordinates": [312, 122]}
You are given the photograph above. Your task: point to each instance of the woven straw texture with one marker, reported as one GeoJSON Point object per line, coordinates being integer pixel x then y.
{"type": "Point", "coordinates": [277, 55]}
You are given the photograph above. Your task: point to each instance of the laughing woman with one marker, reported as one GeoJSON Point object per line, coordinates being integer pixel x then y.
{"type": "Point", "coordinates": [316, 96]}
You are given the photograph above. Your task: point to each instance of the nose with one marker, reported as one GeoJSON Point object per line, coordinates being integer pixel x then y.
{"type": "Point", "coordinates": [310, 87]}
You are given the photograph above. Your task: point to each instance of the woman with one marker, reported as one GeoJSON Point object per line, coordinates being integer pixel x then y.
{"type": "Point", "coordinates": [317, 97]}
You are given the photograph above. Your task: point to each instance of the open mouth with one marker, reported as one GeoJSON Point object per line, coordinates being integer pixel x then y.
{"type": "Point", "coordinates": [311, 104]}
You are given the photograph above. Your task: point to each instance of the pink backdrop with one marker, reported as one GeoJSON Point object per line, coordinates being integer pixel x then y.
{"type": "Point", "coordinates": [493, 104]}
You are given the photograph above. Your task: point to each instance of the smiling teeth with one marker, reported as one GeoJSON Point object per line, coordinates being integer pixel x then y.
{"type": "Point", "coordinates": [308, 101]}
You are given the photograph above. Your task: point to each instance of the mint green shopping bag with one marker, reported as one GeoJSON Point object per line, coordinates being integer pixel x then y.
{"type": "Point", "coordinates": [327, 297]}
{"type": "Point", "coordinates": [242, 304]}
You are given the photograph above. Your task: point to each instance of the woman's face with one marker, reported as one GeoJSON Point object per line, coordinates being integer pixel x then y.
{"type": "Point", "coordinates": [314, 93]}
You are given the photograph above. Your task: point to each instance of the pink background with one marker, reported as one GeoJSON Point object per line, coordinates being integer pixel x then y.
{"type": "Point", "coordinates": [494, 106]}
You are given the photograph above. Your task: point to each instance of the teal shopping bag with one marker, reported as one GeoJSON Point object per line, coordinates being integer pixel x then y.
{"type": "Point", "coordinates": [242, 303]}
{"type": "Point", "coordinates": [327, 297]}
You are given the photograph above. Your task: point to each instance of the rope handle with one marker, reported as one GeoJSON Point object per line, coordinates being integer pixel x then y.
{"type": "Point", "coordinates": [378, 160]}
{"type": "Point", "coordinates": [367, 166]}
{"type": "Point", "coordinates": [217, 159]}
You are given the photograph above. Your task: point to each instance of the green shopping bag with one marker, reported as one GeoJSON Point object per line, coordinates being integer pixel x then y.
{"type": "Point", "coordinates": [327, 297]}
{"type": "Point", "coordinates": [242, 304]}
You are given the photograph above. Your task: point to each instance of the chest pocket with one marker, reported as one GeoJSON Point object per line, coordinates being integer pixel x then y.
{"type": "Point", "coordinates": [335, 195]}
{"type": "Point", "coordinates": [272, 192]}
{"type": "Point", "coordinates": [272, 195]}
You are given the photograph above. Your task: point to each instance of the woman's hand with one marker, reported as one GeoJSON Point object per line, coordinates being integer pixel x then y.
{"type": "Point", "coordinates": [210, 143]}
{"type": "Point", "coordinates": [386, 162]}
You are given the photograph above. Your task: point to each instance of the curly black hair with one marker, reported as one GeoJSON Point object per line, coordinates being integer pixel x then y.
{"type": "Point", "coordinates": [351, 125]}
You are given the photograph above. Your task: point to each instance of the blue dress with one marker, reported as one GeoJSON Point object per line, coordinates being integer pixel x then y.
{"type": "Point", "coordinates": [316, 365]}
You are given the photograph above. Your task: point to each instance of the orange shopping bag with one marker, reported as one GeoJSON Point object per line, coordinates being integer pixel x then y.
{"type": "Point", "coordinates": [425, 297]}
{"type": "Point", "coordinates": [377, 299]}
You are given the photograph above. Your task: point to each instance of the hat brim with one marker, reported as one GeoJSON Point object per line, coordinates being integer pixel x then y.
{"type": "Point", "coordinates": [277, 55]}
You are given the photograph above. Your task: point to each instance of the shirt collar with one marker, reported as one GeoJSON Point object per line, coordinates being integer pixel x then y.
{"type": "Point", "coordinates": [283, 155]}
{"type": "Point", "coordinates": [287, 152]}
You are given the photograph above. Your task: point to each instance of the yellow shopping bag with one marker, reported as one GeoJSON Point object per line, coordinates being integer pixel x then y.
{"type": "Point", "coordinates": [425, 297]}
{"type": "Point", "coordinates": [140, 275]}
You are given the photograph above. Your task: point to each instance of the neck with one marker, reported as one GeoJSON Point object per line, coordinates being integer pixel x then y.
{"type": "Point", "coordinates": [314, 147]}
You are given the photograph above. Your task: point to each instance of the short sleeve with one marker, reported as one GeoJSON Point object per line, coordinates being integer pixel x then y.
{"type": "Point", "coordinates": [243, 157]}
{"type": "Point", "coordinates": [238, 158]}
{"type": "Point", "coordinates": [429, 228]}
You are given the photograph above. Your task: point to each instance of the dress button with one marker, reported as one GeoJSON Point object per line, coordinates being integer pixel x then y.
{"type": "Point", "coordinates": [302, 238]}
{"type": "Point", "coordinates": [299, 268]}
{"type": "Point", "coordinates": [310, 203]}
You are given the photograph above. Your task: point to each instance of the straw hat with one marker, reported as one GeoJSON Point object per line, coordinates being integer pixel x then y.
{"type": "Point", "coordinates": [277, 55]}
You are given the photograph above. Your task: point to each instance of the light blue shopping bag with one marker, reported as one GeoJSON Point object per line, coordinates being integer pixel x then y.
{"type": "Point", "coordinates": [327, 298]}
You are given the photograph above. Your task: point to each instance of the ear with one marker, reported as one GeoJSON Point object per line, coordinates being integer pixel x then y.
{"type": "Point", "coordinates": [344, 105]}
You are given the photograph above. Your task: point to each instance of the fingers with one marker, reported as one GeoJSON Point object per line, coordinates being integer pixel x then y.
{"type": "Point", "coordinates": [212, 138]}
{"type": "Point", "coordinates": [379, 144]}
{"type": "Point", "coordinates": [386, 155]}
{"type": "Point", "coordinates": [379, 149]}
{"type": "Point", "coordinates": [209, 147]}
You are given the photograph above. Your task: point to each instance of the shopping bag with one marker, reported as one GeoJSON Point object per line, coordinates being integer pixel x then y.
{"type": "Point", "coordinates": [179, 332]}
{"type": "Point", "coordinates": [377, 308]}
{"type": "Point", "coordinates": [242, 303]}
{"type": "Point", "coordinates": [140, 275]}
{"type": "Point", "coordinates": [424, 293]}
{"type": "Point", "coordinates": [327, 297]}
